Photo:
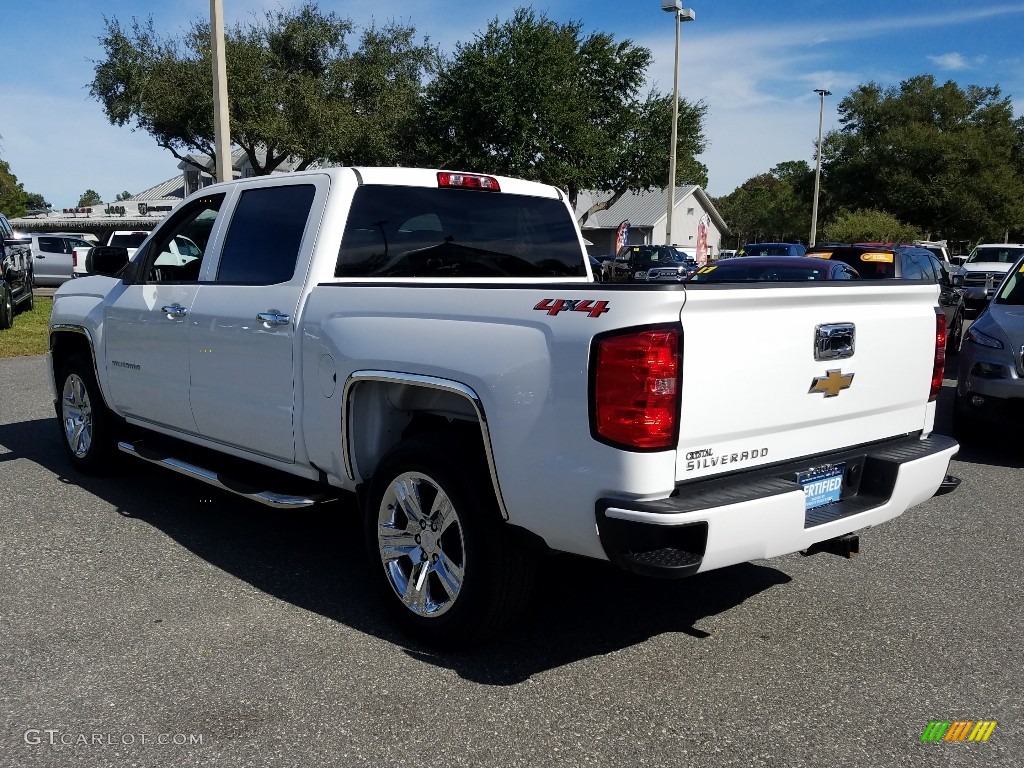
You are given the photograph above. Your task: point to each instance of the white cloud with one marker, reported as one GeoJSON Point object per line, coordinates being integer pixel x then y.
{"type": "Point", "coordinates": [954, 61]}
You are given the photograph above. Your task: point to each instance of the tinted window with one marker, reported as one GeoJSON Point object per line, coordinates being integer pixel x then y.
{"type": "Point", "coordinates": [869, 264]}
{"type": "Point", "coordinates": [912, 269]}
{"type": "Point", "coordinates": [935, 266]}
{"type": "Point", "coordinates": [427, 232]}
{"type": "Point", "coordinates": [51, 244]}
{"type": "Point", "coordinates": [773, 249]}
{"type": "Point", "coordinates": [161, 260]}
{"type": "Point", "coordinates": [642, 256]}
{"type": "Point", "coordinates": [738, 272]}
{"type": "Point", "coordinates": [262, 245]}
{"type": "Point", "coordinates": [128, 239]}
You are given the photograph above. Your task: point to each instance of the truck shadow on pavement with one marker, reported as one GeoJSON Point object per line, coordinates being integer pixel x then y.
{"type": "Point", "coordinates": [314, 559]}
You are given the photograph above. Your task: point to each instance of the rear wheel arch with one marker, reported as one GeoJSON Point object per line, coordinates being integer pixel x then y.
{"type": "Point", "coordinates": [383, 409]}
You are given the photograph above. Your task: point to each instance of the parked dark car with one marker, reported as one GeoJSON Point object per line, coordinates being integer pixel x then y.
{"type": "Point", "coordinates": [903, 262]}
{"type": "Point", "coordinates": [774, 269]}
{"type": "Point", "coordinates": [632, 263]}
{"type": "Point", "coordinates": [772, 249]}
{"type": "Point", "coordinates": [15, 274]}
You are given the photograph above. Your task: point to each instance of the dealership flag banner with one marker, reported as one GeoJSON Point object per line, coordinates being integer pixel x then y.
{"type": "Point", "coordinates": [622, 235]}
{"type": "Point", "coordinates": [702, 239]}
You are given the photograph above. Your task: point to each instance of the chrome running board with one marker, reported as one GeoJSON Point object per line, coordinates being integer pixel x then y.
{"type": "Point", "coordinates": [219, 480]}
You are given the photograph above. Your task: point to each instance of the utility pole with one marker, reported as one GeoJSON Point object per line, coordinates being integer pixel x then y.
{"type": "Point", "coordinates": [221, 122]}
{"type": "Point", "coordinates": [817, 169]}
{"type": "Point", "coordinates": [674, 7]}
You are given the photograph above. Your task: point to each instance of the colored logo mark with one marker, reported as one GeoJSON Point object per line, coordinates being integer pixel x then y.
{"type": "Point", "coordinates": [958, 730]}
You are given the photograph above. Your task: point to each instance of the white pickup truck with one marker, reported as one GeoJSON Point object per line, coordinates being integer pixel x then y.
{"type": "Point", "coordinates": [435, 343]}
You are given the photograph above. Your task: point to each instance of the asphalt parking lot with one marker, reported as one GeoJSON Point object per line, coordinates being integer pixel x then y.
{"type": "Point", "coordinates": [148, 620]}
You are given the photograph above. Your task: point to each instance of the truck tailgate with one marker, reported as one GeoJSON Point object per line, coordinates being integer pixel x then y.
{"type": "Point", "coordinates": [753, 393]}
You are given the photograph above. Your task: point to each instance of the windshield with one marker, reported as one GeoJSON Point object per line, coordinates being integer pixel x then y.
{"type": "Point", "coordinates": [995, 254]}
{"type": "Point", "coordinates": [738, 272]}
{"type": "Point", "coordinates": [128, 239]}
{"type": "Point", "coordinates": [769, 249]}
{"type": "Point", "coordinates": [646, 255]}
{"type": "Point", "coordinates": [1013, 289]}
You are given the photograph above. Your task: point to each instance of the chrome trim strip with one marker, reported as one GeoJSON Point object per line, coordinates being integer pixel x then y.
{"type": "Point", "coordinates": [432, 382]}
{"type": "Point", "coordinates": [269, 498]}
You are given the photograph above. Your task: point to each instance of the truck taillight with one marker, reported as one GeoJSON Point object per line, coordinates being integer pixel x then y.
{"type": "Point", "coordinates": [467, 181]}
{"type": "Point", "coordinates": [939, 364]}
{"type": "Point", "coordinates": [635, 389]}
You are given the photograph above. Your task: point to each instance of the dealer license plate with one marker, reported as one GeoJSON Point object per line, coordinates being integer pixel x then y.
{"type": "Point", "coordinates": [822, 485]}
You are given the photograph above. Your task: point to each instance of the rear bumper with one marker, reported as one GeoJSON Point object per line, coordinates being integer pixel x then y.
{"type": "Point", "coordinates": [745, 517]}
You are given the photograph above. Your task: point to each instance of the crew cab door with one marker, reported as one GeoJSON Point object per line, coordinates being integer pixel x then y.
{"type": "Point", "coordinates": [244, 319]}
{"type": "Point", "coordinates": [146, 339]}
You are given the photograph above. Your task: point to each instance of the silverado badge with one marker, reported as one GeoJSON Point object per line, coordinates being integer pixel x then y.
{"type": "Point", "coordinates": [831, 384]}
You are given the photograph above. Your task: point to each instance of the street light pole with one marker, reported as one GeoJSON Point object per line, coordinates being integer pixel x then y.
{"type": "Point", "coordinates": [681, 14]}
{"type": "Point", "coordinates": [221, 123]}
{"type": "Point", "coordinates": [817, 168]}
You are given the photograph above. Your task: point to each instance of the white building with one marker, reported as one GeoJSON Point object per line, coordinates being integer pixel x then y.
{"type": "Point", "coordinates": [647, 214]}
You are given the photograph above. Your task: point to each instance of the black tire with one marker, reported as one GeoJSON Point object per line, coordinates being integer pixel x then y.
{"type": "Point", "coordinates": [6, 307]}
{"type": "Point", "coordinates": [965, 429]}
{"type": "Point", "coordinates": [88, 429]}
{"type": "Point", "coordinates": [956, 334]}
{"type": "Point", "coordinates": [464, 576]}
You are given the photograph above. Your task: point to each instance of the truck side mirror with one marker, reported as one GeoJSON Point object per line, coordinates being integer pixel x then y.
{"type": "Point", "coordinates": [106, 260]}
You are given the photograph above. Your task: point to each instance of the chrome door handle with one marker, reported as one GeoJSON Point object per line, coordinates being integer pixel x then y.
{"type": "Point", "coordinates": [174, 311]}
{"type": "Point", "coordinates": [273, 317]}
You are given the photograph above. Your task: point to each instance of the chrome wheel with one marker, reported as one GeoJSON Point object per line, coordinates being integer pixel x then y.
{"type": "Point", "coordinates": [77, 416]}
{"type": "Point", "coordinates": [421, 545]}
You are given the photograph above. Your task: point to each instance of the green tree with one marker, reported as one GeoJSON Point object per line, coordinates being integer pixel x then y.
{"type": "Point", "coordinates": [36, 202]}
{"type": "Point", "coordinates": [771, 206]}
{"type": "Point", "coordinates": [868, 226]}
{"type": "Point", "coordinates": [295, 90]}
{"type": "Point", "coordinates": [946, 160]}
{"type": "Point", "coordinates": [89, 197]}
{"type": "Point", "coordinates": [533, 98]}
{"type": "Point", "coordinates": [126, 195]}
{"type": "Point", "coordinates": [12, 193]}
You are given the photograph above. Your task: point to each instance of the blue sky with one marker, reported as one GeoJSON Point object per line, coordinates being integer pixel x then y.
{"type": "Point", "coordinates": [755, 64]}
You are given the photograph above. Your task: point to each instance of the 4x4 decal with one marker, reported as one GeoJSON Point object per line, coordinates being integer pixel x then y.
{"type": "Point", "coordinates": [591, 307]}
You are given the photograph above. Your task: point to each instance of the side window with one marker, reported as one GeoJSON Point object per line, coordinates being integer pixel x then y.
{"type": "Point", "coordinates": [51, 244]}
{"type": "Point", "coordinates": [164, 261]}
{"type": "Point", "coordinates": [912, 269]}
{"type": "Point", "coordinates": [262, 244]}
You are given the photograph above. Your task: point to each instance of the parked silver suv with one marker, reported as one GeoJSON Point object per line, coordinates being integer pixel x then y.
{"type": "Point", "coordinates": [52, 256]}
{"type": "Point", "coordinates": [990, 381]}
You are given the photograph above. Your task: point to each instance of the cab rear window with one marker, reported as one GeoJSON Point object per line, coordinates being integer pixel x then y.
{"type": "Point", "coordinates": [870, 265]}
{"type": "Point", "coordinates": [397, 231]}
